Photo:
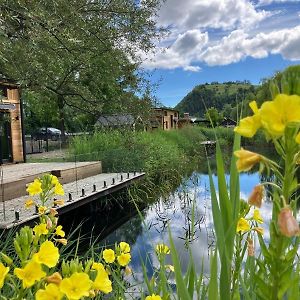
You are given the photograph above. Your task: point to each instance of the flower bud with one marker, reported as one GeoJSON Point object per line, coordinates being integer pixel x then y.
{"type": "Point", "coordinates": [127, 271]}
{"type": "Point", "coordinates": [62, 241]}
{"type": "Point", "coordinates": [256, 196]}
{"type": "Point", "coordinates": [287, 223]}
{"type": "Point", "coordinates": [6, 258]}
{"type": "Point", "coordinates": [250, 247]}
{"type": "Point", "coordinates": [53, 212]}
{"type": "Point", "coordinates": [246, 159]}
{"type": "Point", "coordinates": [48, 223]}
{"type": "Point", "coordinates": [54, 278]}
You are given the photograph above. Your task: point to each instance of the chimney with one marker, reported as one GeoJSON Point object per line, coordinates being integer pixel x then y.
{"type": "Point", "coordinates": [186, 116]}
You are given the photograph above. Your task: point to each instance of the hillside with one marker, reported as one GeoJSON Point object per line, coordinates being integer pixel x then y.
{"type": "Point", "coordinates": [222, 96]}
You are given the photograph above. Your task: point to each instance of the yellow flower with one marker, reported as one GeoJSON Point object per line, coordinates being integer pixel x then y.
{"type": "Point", "coordinates": [97, 266]}
{"type": "Point", "coordinates": [76, 286]}
{"type": "Point", "coordinates": [3, 272]}
{"type": "Point", "coordinates": [47, 255]}
{"type": "Point", "coordinates": [276, 114]}
{"type": "Point", "coordinates": [257, 217]}
{"type": "Point", "coordinates": [246, 159]}
{"type": "Point", "coordinates": [124, 247]}
{"type": "Point", "coordinates": [256, 196]}
{"type": "Point", "coordinates": [51, 292]}
{"type": "Point", "coordinates": [170, 267]}
{"type": "Point", "coordinates": [162, 248]}
{"type": "Point", "coordinates": [35, 187]}
{"type": "Point", "coordinates": [40, 229]}
{"type": "Point", "coordinates": [29, 203]}
{"type": "Point", "coordinates": [31, 273]}
{"type": "Point", "coordinates": [54, 180]}
{"type": "Point", "coordinates": [54, 278]}
{"type": "Point", "coordinates": [153, 297]}
{"type": "Point", "coordinates": [102, 282]}
{"type": "Point", "coordinates": [58, 189]}
{"type": "Point", "coordinates": [242, 225]}
{"type": "Point", "coordinates": [287, 223]}
{"type": "Point", "coordinates": [249, 125]}
{"type": "Point", "coordinates": [259, 230]}
{"type": "Point", "coordinates": [124, 259]}
{"type": "Point", "coordinates": [109, 256]}
{"type": "Point", "coordinates": [42, 210]}
{"type": "Point", "coordinates": [59, 202]}
{"type": "Point", "coordinates": [59, 231]}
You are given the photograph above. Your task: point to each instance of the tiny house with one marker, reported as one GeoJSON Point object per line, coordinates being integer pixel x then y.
{"type": "Point", "coordinates": [165, 118]}
{"type": "Point", "coordinates": [12, 141]}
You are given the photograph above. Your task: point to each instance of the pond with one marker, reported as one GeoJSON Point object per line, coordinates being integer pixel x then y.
{"type": "Point", "coordinates": [175, 213]}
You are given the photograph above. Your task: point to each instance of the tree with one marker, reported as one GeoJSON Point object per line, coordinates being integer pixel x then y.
{"type": "Point", "coordinates": [79, 53]}
{"type": "Point", "coordinates": [213, 116]}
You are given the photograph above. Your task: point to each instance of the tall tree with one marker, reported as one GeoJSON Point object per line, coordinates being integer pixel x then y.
{"type": "Point", "coordinates": [80, 53]}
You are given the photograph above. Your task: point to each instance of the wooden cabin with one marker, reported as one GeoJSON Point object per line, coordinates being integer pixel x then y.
{"type": "Point", "coordinates": [12, 141]}
{"type": "Point", "coordinates": [164, 118]}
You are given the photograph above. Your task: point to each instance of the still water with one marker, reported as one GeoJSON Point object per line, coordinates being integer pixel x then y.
{"type": "Point", "coordinates": [175, 213]}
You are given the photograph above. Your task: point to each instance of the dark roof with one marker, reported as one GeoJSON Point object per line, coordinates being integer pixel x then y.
{"type": "Point", "coordinates": [116, 120]}
{"type": "Point", "coordinates": [8, 82]}
{"type": "Point", "coordinates": [165, 108]}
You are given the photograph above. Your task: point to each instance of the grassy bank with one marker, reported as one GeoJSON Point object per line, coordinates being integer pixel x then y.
{"type": "Point", "coordinates": [226, 137]}
{"type": "Point", "coordinates": [165, 156]}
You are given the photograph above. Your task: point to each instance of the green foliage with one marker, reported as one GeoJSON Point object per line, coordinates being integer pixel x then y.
{"type": "Point", "coordinates": [164, 155]}
{"type": "Point", "coordinates": [213, 116]}
{"type": "Point", "coordinates": [215, 95]}
{"type": "Point", "coordinates": [65, 51]}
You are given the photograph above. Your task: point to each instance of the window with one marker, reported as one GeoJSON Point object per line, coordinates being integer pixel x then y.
{"type": "Point", "coordinates": [175, 115]}
{"type": "Point", "coordinates": [166, 113]}
{"type": "Point", "coordinates": [166, 124]}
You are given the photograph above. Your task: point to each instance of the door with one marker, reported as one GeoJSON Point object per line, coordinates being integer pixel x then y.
{"type": "Point", "coordinates": [5, 138]}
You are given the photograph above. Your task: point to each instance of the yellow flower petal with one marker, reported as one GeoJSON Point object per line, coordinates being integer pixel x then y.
{"type": "Point", "coordinates": [40, 229]}
{"type": "Point", "coordinates": [76, 286]}
{"type": "Point", "coordinates": [246, 159]}
{"type": "Point", "coordinates": [124, 259]}
{"type": "Point", "coordinates": [34, 188]}
{"type": "Point", "coordinates": [257, 217]}
{"type": "Point", "coordinates": [242, 225]}
{"type": "Point", "coordinates": [51, 292]}
{"type": "Point", "coordinates": [162, 248]}
{"type": "Point", "coordinates": [3, 272]}
{"type": "Point", "coordinates": [109, 256]}
{"type": "Point", "coordinates": [31, 273]}
{"type": "Point", "coordinates": [47, 255]}
{"type": "Point", "coordinates": [124, 247]}
{"type": "Point", "coordinates": [277, 114]}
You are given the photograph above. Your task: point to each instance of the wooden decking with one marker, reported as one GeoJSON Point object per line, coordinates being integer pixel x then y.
{"type": "Point", "coordinates": [15, 177]}
{"type": "Point", "coordinates": [83, 183]}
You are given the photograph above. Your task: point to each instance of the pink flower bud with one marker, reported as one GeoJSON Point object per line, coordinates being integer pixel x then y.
{"type": "Point", "coordinates": [287, 223]}
{"type": "Point", "coordinates": [256, 196]}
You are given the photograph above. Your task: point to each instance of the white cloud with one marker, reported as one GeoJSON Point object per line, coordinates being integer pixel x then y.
{"type": "Point", "coordinates": [239, 45]}
{"type": "Point", "coordinates": [225, 14]}
{"type": "Point", "coordinates": [221, 32]}
{"type": "Point", "coordinates": [268, 2]}
{"type": "Point", "coordinates": [192, 68]}
{"type": "Point", "coordinates": [181, 53]}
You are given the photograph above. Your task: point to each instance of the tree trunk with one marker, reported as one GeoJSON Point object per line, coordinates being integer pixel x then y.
{"type": "Point", "coordinates": [61, 104]}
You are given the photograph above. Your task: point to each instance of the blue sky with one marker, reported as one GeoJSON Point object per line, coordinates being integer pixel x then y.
{"type": "Point", "coordinates": [222, 40]}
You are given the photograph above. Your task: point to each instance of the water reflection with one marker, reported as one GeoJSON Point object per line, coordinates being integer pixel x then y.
{"type": "Point", "coordinates": [176, 212]}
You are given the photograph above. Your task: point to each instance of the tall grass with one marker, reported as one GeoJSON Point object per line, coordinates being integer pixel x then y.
{"type": "Point", "coordinates": [164, 156]}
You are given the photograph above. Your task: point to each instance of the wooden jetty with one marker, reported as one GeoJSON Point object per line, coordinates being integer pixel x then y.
{"type": "Point", "coordinates": [83, 183]}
